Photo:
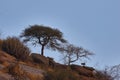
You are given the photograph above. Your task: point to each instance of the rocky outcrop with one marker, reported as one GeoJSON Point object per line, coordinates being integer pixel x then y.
{"type": "Point", "coordinates": [39, 59]}
{"type": "Point", "coordinates": [39, 68]}
{"type": "Point", "coordinates": [28, 72]}
{"type": "Point", "coordinates": [82, 70]}
{"type": "Point", "coordinates": [48, 61]}
{"type": "Point", "coordinates": [13, 69]}
{"type": "Point", "coordinates": [5, 76]}
{"type": "Point", "coordinates": [4, 57]}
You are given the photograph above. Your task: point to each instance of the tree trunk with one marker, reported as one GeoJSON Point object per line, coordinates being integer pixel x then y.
{"type": "Point", "coordinates": [69, 60]}
{"type": "Point", "coordinates": [42, 50]}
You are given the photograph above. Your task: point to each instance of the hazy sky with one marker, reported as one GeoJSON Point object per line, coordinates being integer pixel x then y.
{"type": "Point", "coordinates": [92, 24]}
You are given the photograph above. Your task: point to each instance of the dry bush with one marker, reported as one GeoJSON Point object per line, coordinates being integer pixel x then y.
{"type": "Point", "coordinates": [15, 47]}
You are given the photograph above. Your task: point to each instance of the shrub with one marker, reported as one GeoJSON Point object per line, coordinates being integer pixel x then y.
{"type": "Point", "coordinates": [15, 47]}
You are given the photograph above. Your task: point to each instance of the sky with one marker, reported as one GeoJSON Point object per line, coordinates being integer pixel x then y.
{"type": "Point", "coordinates": [91, 24]}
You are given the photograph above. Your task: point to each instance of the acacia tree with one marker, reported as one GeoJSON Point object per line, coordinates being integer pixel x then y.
{"type": "Point", "coordinates": [73, 53]}
{"type": "Point", "coordinates": [44, 36]}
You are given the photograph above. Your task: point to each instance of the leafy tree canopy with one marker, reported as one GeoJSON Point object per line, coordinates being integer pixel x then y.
{"type": "Point", "coordinates": [45, 36]}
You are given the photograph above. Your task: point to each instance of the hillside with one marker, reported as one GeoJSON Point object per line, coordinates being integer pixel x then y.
{"type": "Point", "coordinates": [38, 67]}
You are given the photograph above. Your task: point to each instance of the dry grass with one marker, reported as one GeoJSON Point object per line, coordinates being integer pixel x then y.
{"type": "Point", "coordinates": [16, 48]}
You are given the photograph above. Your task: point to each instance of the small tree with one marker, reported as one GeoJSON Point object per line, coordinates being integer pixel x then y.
{"type": "Point", "coordinates": [44, 36]}
{"type": "Point", "coordinates": [73, 53]}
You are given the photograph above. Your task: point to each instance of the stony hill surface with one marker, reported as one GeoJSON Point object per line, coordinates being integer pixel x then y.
{"type": "Point", "coordinates": [38, 67]}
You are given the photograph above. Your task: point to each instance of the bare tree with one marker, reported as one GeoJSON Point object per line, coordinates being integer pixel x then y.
{"type": "Point", "coordinates": [44, 36]}
{"type": "Point", "coordinates": [114, 72]}
{"type": "Point", "coordinates": [73, 53]}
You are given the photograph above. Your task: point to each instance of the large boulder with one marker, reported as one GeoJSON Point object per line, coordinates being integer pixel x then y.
{"type": "Point", "coordinates": [5, 76]}
{"type": "Point", "coordinates": [28, 72]}
{"type": "Point", "coordinates": [82, 70]}
{"type": "Point", "coordinates": [6, 61]}
{"type": "Point", "coordinates": [48, 61]}
{"type": "Point", "coordinates": [12, 69]}
{"type": "Point", "coordinates": [39, 59]}
{"type": "Point", "coordinates": [5, 57]}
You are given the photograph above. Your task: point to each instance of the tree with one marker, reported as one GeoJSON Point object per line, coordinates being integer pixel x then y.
{"type": "Point", "coordinates": [73, 53]}
{"type": "Point", "coordinates": [44, 36]}
{"type": "Point", "coordinates": [114, 72]}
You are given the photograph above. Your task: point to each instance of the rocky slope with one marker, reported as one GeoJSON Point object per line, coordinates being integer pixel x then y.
{"type": "Point", "coordinates": [12, 69]}
{"type": "Point", "coordinates": [38, 67]}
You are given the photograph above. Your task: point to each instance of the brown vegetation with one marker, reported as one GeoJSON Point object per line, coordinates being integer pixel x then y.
{"type": "Point", "coordinates": [15, 47]}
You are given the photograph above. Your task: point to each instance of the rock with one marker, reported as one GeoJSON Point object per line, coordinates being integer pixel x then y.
{"type": "Point", "coordinates": [28, 72]}
{"type": "Point", "coordinates": [2, 66]}
{"type": "Point", "coordinates": [86, 71]}
{"type": "Point", "coordinates": [51, 62]}
{"type": "Point", "coordinates": [5, 57]}
{"type": "Point", "coordinates": [5, 76]}
{"type": "Point", "coordinates": [48, 61]}
{"type": "Point", "coordinates": [39, 59]}
{"type": "Point", "coordinates": [11, 69]}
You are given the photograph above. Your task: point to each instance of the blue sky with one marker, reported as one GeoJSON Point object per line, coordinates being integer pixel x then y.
{"type": "Point", "coordinates": [92, 24]}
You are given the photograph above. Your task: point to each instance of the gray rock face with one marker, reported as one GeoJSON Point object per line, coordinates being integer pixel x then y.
{"type": "Point", "coordinates": [29, 69]}
{"type": "Point", "coordinates": [5, 76]}
{"type": "Point", "coordinates": [28, 72]}
{"type": "Point", "coordinates": [12, 69]}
